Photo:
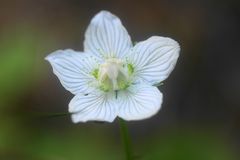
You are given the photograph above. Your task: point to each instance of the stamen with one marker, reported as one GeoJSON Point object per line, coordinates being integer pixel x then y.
{"type": "Point", "coordinates": [113, 75]}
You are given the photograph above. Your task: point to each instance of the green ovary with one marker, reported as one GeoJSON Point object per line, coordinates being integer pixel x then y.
{"type": "Point", "coordinates": [113, 75]}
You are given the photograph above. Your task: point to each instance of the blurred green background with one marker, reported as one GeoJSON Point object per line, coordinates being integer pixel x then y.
{"type": "Point", "coordinates": [200, 116]}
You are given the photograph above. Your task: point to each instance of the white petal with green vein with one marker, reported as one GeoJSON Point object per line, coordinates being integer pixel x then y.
{"type": "Point", "coordinates": [154, 59]}
{"type": "Point", "coordinates": [97, 106]}
{"type": "Point", "coordinates": [139, 102]}
{"type": "Point", "coordinates": [106, 37]}
{"type": "Point", "coordinates": [72, 69]}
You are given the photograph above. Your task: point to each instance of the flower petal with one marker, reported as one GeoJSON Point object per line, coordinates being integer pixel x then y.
{"type": "Point", "coordinates": [73, 69]}
{"type": "Point", "coordinates": [98, 106]}
{"type": "Point", "coordinates": [154, 59]}
{"type": "Point", "coordinates": [139, 102]}
{"type": "Point", "coordinates": [106, 36]}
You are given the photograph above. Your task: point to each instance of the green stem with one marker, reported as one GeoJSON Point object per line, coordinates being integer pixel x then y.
{"type": "Point", "coordinates": [126, 139]}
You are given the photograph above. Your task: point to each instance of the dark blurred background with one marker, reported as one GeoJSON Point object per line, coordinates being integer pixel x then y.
{"type": "Point", "coordinates": [200, 116]}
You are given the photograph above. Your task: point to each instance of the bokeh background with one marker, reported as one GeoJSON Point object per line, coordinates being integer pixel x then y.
{"type": "Point", "coordinates": [200, 116]}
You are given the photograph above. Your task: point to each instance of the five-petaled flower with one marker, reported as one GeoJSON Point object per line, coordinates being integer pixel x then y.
{"type": "Point", "coordinates": [112, 77]}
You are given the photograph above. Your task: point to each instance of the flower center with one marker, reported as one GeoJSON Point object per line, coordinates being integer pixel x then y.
{"type": "Point", "coordinates": [113, 74]}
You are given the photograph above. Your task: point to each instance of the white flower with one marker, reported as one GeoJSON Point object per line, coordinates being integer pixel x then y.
{"type": "Point", "coordinates": [112, 77]}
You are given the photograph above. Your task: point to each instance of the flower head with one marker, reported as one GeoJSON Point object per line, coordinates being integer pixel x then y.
{"type": "Point", "coordinates": [111, 77]}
